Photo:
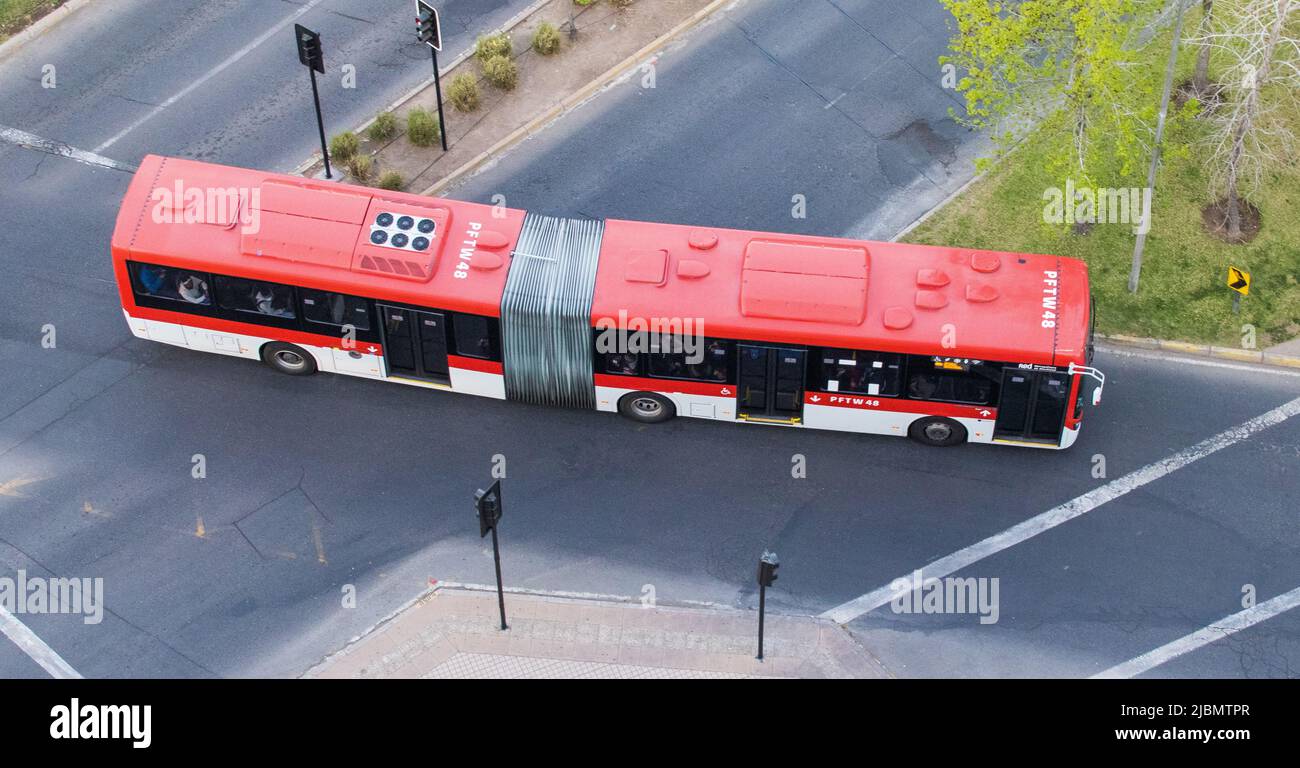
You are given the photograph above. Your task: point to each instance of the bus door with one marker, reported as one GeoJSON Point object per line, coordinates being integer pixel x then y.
{"type": "Point", "coordinates": [415, 343]}
{"type": "Point", "coordinates": [771, 384]}
{"type": "Point", "coordinates": [1032, 406]}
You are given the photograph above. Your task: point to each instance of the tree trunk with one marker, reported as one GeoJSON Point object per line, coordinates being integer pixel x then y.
{"type": "Point", "coordinates": [1201, 78]}
{"type": "Point", "coordinates": [1234, 209]}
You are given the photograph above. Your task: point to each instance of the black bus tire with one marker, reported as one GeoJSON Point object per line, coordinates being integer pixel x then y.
{"type": "Point", "coordinates": [937, 431]}
{"type": "Point", "coordinates": [288, 358]}
{"type": "Point", "coordinates": [646, 407]}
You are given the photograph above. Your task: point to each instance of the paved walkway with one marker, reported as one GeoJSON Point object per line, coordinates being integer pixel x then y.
{"type": "Point", "coordinates": [455, 633]}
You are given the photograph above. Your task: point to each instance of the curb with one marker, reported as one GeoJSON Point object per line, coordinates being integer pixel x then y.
{"type": "Point", "coordinates": [1261, 357]}
{"type": "Point", "coordinates": [11, 46]}
{"type": "Point", "coordinates": [443, 71]}
{"type": "Point", "coordinates": [574, 99]}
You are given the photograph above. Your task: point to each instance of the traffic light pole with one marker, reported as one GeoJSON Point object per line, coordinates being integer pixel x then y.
{"type": "Point", "coordinates": [501, 596]}
{"type": "Point", "coordinates": [762, 605]}
{"type": "Point", "coordinates": [320, 124]}
{"type": "Point", "coordinates": [442, 131]}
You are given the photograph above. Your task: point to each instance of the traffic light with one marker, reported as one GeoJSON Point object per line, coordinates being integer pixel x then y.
{"type": "Point", "coordinates": [428, 30]}
{"type": "Point", "coordinates": [309, 48]}
{"type": "Point", "coordinates": [487, 505]}
{"type": "Point", "coordinates": [767, 566]}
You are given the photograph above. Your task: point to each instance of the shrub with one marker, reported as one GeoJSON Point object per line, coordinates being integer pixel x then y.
{"type": "Point", "coordinates": [501, 72]}
{"type": "Point", "coordinates": [546, 40]}
{"type": "Point", "coordinates": [422, 128]}
{"type": "Point", "coordinates": [384, 127]}
{"type": "Point", "coordinates": [392, 180]}
{"type": "Point", "coordinates": [583, 3]}
{"type": "Point", "coordinates": [463, 92]}
{"type": "Point", "coordinates": [360, 166]}
{"type": "Point", "coordinates": [489, 46]}
{"type": "Point", "coordinates": [344, 146]}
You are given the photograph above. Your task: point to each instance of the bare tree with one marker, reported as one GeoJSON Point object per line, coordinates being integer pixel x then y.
{"type": "Point", "coordinates": [1201, 77]}
{"type": "Point", "coordinates": [1259, 38]}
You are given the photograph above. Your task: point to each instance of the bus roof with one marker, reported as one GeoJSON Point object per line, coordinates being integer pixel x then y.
{"type": "Point", "coordinates": [314, 234]}
{"type": "Point", "coordinates": [890, 297]}
{"type": "Point", "coordinates": [751, 286]}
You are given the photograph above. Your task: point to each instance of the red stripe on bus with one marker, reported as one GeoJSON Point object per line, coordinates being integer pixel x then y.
{"type": "Point", "coordinates": [475, 364]}
{"type": "Point", "coordinates": [249, 329]}
{"type": "Point", "coordinates": [869, 403]}
{"type": "Point", "coordinates": [665, 385]}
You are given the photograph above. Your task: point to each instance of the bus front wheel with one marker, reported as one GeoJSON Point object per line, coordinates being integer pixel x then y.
{"type": "Point", "coordinates": [646, 407]}
{"type": "Point", "coordinates": [938, 431]}
{"type": "Point", "coordinates": [290, 359]}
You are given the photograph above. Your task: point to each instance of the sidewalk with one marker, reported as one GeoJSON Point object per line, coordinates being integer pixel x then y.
{"type": "Point", "coordinates": [454, 632]}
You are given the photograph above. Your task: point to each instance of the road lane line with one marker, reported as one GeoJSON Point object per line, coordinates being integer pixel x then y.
{"type": "Point", "coordinates": [1222, 628]}
{"type": "Point", "coordinates": [35, 647]}
{"type": "Point", "coordinates": [1076, 507]}
{"type": "Point", "coordinates": [51, 147]}
{"type": "Point", "coordinates": [232, 59]}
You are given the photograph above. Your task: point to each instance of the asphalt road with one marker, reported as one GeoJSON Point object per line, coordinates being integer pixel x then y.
{"type": "Point", "coordinates": [314, 485]}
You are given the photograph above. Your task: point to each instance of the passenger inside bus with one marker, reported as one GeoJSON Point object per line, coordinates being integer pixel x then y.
{"type": "Point", "coordinates": [265, 302]}
{"type": "Point", "coordinates": [623, 363]}
{"type": "Point", "coordinates": [193, 290]}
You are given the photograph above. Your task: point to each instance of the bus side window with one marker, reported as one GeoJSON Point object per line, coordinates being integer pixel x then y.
{"type": "Point", "coordinates": [977, 385]}
{"type": "Point", "coordinates": [255, 297]}
{"type": "Point", "coordinates": [689, 358]}
{"type": "Point", "coordinates": [862, 373]}
{"type": "Point", "coordinates": [714, 357]}
{"type": "Point", "coordinates": [473, 336]}
{"type": "Point", "coordinates": [336, 309]}
{"type": "Point", "coordinates": [170, 283]}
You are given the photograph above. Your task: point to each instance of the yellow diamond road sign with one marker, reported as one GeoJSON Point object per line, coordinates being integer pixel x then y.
{"type": "Point", "coordinates": [1239, 280]}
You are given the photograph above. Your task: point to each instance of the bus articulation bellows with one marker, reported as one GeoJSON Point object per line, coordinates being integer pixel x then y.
{"type": "Point", "coordinates": [946, 345]}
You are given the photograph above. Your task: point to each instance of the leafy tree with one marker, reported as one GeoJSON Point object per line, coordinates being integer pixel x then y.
{"type": "Point", "coordinates": [1071, 65]}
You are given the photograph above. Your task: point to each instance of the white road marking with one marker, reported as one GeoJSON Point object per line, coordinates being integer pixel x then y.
{"type": "Point", "coordinates": [51, 147]}
{"type": "Point", "coordinates": [235, 57]}
{"type": "Point", "coordinates": [35, 647]}
{"type": "Point", "coordinates": [1166, 357]}
{"type": "Point", "coordinates": [1217, 631]}
{"type": "Point", "coordinates": [1076, 507]}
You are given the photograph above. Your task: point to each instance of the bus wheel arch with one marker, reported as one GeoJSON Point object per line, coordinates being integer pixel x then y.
{"type": "Point", "coordinates": [646, 407]}
{"type": "Point", "coordinates": [289, 359]}
{"type": "Point", "coordinates": [938, 431]}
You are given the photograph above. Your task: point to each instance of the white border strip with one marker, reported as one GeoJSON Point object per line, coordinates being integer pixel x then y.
{"type": "Point", "coordinates": [1226, 626]}
{"type": "Point", "coordinates": [1183, 358]}
{"type": "Point", "coordinates": [58, 148]}
{"type": "Point", "coordinates": [1076, 507]}
{"type": "Point", "coordinates": [36, 648]}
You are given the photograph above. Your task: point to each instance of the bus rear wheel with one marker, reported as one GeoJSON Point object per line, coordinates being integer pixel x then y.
{"type": "Point", "coordinates": [290, 359]}
{"type": "Point", "coordinates": [937, 431]}
{"type": "Point", "coordinates": [646, 407]}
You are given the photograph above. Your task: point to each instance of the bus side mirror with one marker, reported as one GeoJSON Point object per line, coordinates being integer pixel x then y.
{"type": "Point", "coordinates": [1093, 373]}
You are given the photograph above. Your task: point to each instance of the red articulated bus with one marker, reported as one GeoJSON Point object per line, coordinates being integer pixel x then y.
{"type": "Point", "coordinates": [946, 345]}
